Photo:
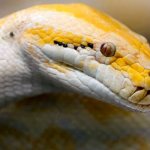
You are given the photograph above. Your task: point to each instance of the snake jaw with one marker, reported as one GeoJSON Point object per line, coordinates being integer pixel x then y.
{"type": "Point", "coordinates": [77, 71]}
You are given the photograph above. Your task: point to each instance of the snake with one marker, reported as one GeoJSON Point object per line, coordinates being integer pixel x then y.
{"type": "Point", "coordinates": [77, 50]}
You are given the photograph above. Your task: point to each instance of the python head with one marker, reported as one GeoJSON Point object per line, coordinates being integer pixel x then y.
{"type": "Point", "coordinates": [76, 48]}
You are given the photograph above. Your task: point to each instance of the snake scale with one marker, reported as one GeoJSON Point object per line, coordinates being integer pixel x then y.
{"type": "Point", "coordinates": [78, 50]}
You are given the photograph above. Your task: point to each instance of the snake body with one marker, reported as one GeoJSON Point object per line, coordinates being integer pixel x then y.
{"type": "Point", "coordinates": [48, 48]}
{"type": "Point", "coordinates": [55, 48]}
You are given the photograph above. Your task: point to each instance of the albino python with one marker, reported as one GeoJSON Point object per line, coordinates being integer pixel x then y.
{"type": "Point", "coordinates": [75, 49]}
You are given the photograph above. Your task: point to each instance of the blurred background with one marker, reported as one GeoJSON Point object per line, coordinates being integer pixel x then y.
{"type": "Point", "coordinates": [133, 13]}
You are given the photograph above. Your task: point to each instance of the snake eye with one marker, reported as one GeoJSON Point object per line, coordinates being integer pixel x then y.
{"type": "Point", "coordinates": [108, 49]}
{"type": "Point", "coordinates": [11, 34]}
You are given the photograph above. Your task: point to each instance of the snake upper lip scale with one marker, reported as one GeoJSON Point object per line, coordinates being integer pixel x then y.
{"type": "Point", "coordinates": [48, 48]}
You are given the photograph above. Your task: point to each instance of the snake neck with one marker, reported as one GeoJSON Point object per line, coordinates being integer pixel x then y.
{"type": "Point", "coordinates": [19, 77]}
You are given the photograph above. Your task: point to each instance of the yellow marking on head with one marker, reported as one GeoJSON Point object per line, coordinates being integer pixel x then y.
{"type": "Point", "coordinates": [138, 75]}
{"type": "Point", "coordinates": [99, 20]}
{"type": "Point", "coordinates": [47, 35]}
{"type": "Point", "coordinates": [137, 67]}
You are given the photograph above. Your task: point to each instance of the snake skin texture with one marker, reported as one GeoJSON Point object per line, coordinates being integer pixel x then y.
{"type": "Point", "coordinates": [75, 49]}
{"type": "Point", "coordinates": [48, 48]}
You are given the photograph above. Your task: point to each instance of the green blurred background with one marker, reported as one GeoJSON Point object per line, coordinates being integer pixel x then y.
{"type": "Point", "coordinates": [134, 13]}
